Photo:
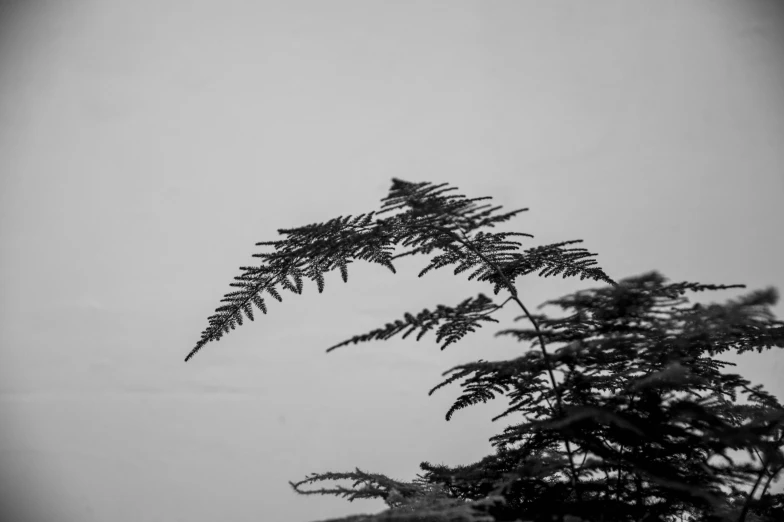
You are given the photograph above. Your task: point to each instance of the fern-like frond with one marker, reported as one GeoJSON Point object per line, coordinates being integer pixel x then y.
{"type": "Point", "coordinates": [409, 502]}
{"type": "Point", "coordinates": [458, 321]}
{"type": "Point", "coordinates": [307, 252]}
{"type": "Point", "coordinates": [429, 219]}
{"type": "Point", "coordinates": [491, 378]}
{"type": "Point", "coordinates": [424, 204]}
{"type": "Point", "coordinates": [549, 260]}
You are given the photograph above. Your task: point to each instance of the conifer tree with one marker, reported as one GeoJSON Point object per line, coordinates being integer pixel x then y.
{"type": "Point", "coordinates": [631, 418]}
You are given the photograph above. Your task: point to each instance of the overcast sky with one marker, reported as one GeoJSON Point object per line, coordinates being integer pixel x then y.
{"type": "Point", "coordinates": [146, 146]}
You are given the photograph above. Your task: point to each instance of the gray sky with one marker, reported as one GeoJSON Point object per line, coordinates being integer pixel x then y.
{"type": "Point", "coordinates": [146, 146]}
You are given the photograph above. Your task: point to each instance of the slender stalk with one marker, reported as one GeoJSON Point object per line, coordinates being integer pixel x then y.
{"type": "Point", "coordinates": [747, 503]}
{"type": "Point", "coordinates": [763, 472]}
{"type": "Point", "coordinates": [549, 367]}
{"type": "Point", "coordinates": [771, 476]}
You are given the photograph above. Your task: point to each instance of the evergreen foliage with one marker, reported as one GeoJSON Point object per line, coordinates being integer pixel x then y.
{"type": "Point", "coordinates": [641, 419]}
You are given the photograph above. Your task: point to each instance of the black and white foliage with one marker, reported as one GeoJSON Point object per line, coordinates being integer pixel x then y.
{"type": "Point", "coordinates": [631, 418]}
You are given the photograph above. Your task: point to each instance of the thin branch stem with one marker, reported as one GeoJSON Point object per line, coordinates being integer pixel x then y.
{"type": "Point", "coordinates": [763, 472]}
{"type": "Point", "coordinates": [548, 364]}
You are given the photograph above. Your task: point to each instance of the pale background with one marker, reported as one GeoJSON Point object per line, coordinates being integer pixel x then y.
{"type": "Point", "coordinates": [146, 146]}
